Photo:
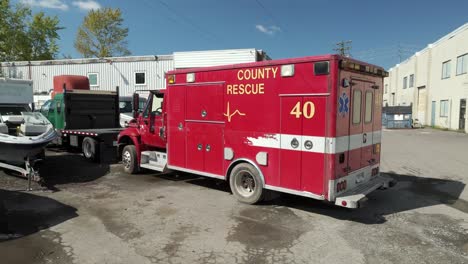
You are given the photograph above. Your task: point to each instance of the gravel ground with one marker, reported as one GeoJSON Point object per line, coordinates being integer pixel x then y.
{"type": "Point", "coordinates": [91, 213]}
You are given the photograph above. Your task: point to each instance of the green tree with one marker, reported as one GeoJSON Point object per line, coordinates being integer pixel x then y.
{"type": "Point", "coordinates": [102, 34]}
{"type": "Point", "coordinates": [24, 36]}
{"type": "Point", "coordinates": [43, 35]}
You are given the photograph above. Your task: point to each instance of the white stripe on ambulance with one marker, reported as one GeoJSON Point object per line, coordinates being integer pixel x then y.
{"type": "Point", "coordinates": [324, 145]}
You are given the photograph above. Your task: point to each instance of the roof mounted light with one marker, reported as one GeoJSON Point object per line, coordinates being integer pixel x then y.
{"type": "Point", "coordinates": [190, 77]}
{"type": "Point", "coordinates": [171, 79]}
{"type": "Point", "coordinates": [287, 70]}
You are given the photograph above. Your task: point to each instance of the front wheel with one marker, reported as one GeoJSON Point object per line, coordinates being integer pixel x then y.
{"type": "Point", "coordinates": [246, 183]}
{"type": "Point", "coordinates": [129, 159]}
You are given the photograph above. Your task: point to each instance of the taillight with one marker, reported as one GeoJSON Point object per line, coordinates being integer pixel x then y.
{"type": "Point", "coordinates": [375, 171]}
{"type": "Point", "coordinates": [341, 186]}
{"type": "Point", "coordinates": [377, 148]}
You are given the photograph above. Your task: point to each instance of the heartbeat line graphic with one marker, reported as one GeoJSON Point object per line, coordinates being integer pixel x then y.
{"type": "Point", "coordinates": [229, 115]}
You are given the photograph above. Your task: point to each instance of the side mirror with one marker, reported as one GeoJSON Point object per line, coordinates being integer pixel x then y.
{"type": "Point", "coordinates": [135, 104]}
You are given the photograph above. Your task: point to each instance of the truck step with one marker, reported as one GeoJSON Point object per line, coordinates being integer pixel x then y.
{"type": "Point", "coordinates": [354, 197]}
{"type": "Point", "coordinates": [152, 167]}
{"type": "Point", "coordinates": [153, 160]}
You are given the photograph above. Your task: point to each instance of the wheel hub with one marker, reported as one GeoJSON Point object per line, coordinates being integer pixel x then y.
{"type": "Point", "coordinates": [245, 184]}
{"type": "Point", "coordinates": [126, 159]}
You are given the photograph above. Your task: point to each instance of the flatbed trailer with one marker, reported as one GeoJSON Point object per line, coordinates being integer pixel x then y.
{"type": "Point", "coordinates": [86, 120]}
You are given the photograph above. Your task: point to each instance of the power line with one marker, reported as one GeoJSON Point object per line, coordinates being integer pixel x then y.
{"type": "Point", "coordinates": [206, 35]}
{"type": "Point", "coordinates": [189, 21]}
{"type": "Point", "coordinates": [269, 14]}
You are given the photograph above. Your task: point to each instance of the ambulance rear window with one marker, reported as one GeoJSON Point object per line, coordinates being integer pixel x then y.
{"type": "Point", "coordinates": [357, 107]}
{"type": "Point", "coordinates": [368, 113]}
{"type": "Point", "coordinates": [321, 68]}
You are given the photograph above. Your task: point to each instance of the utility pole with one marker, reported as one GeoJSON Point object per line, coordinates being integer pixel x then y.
{"type": "Point", "coordinates": [343, 48]}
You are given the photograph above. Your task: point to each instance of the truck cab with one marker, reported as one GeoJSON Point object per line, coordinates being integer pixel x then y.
{"type": "Point", "coordinates": [146, 133]}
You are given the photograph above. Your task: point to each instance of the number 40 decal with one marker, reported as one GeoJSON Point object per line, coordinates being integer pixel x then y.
{"type": "Point", "coordinates": [308, 110]}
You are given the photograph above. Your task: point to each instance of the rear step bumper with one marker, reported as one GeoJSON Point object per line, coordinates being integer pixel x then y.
{"type": "Point", "coordinates": [356, 197]}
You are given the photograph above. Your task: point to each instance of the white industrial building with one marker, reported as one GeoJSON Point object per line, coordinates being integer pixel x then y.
{"type": "Point", "coordinates": [435, 81]}
{"type": "Point", "coordinates": [129, 73]}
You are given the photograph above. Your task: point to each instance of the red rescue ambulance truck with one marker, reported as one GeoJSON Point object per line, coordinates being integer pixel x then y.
{"type": "Point", "coordinates": [307, 126]}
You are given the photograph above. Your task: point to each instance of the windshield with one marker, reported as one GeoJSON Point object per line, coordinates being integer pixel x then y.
{"type": "Point", "coordinates": [12, 110]}
{"type": "Point", "coordinates": [34, 118]}
{"type": "Point", "coordinates": [126, 106]}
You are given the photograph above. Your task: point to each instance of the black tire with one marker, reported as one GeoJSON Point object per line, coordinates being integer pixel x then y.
{"type": "Point", "coordinates": [129, 159]}
{"type": "Point", "coordinates": [246, 183]}
{"type": "Point", "coordinates": [89, 148]}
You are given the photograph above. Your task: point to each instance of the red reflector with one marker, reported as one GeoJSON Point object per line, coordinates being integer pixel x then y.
{"type": "Point", "coordinates": [344, 203]}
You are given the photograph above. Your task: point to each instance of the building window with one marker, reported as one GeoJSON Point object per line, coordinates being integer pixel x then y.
{"type": "Point", "coordinates": [411, 80]}
{"type": "Point", "coordinates": [386, 88]}
{"type": "Point", "coordinates": [93, 79]}
{"type": "Point", "coordinates": [462, 64]}
{"type": "Point", "coordinates": [405, 82]}
{"type": "Point", "coordinates": [446, 70]}
{"type": "Point", "coordinates": [357, 107]}
{"type": "Point", "coordinates": [444, 108]}
{"type": "Point", "coordinates": [140, 78]}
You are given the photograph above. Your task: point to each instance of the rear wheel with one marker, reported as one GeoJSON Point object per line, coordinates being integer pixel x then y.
{"type": "Point", "coordinates": [129, 159]}
{"type": "Point", "coordinates": [89, 147]}
{"type": "Point", "coordinates": [246, 183]}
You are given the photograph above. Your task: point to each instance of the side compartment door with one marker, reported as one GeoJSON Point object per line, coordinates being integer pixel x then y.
{"type": "Point", "coordinates": [214, 148]}
{"type": "Point", "coordinates": [356, 136]}
{"type": "Point", "coordinates": [205, 126]}
{"type": "Point", "coordinates": [195, 148]}
{"type": "Point", "coordinates": [176, 127]}
{"type": "Point", "coordinates": [368, 126]}
{"type": "Point", "coordinates": [302, 143]}
{"type": "Point", "coordinates": [291, 142]}
{"type": "Point", "coordinates": [313, 144]}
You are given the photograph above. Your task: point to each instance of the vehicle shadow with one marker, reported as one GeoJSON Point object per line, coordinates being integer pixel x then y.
{"type": "Point", "coordinates": [64, 168]}
{"type": "Point", "coordinates": [411, 192]}
{"type": "Point", "coordinates": [22, 214]}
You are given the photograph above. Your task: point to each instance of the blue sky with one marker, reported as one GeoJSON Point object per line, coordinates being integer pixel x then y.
{"type": "Point", "coordinates": [380, 31]}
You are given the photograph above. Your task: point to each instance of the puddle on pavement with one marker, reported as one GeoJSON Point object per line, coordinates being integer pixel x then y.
{"type": "Point", "coordinates": [411, 238]}
{"type": "Point", "coordinates": [176, 240]}
{"type": "Point", "coordinates": [266, 232]}
{"type": "Point", "coordinates": [42, 247]}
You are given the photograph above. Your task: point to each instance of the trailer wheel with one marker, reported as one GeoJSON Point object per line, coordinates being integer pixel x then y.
{"type": "Point", "coordinates": [129, 159]}
{"type": "Point", "coordinates": [246, 183]}
{"type": "Point", "coordinates": [89, 147]}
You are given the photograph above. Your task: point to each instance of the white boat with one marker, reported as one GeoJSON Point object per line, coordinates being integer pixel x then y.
{"type": "Point", "coordinates": [23, 133]}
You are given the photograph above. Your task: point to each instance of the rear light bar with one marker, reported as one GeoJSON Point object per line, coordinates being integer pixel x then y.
{"type": "Point", "coordinates": [354, 66]}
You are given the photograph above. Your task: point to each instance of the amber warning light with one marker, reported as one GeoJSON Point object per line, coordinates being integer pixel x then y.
{"type": "Point", "coordinates": [171, 79]}
{"type": "Point", "coordinates": [354, 66]}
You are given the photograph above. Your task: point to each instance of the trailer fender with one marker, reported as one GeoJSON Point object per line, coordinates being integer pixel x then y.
{"type": "Point", "coordinates": [242, 160]}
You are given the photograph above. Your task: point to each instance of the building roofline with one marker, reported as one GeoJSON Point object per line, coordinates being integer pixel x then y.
{"type": "Point", "coordinates": [89, 60]}
{"type": "Point", "coordinates": [434, 44]}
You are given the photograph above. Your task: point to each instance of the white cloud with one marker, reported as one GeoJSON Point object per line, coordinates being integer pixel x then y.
{"type": "Point", "coordinates": [87, 5]}
{"type": "Point", "coordinates": [269, 30]}
{"type": "Point", "coordinates": [54, 4]}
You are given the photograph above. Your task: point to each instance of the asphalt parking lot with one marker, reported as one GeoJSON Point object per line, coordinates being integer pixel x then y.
{"type": "Point", "coordinates": [92, 213]}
